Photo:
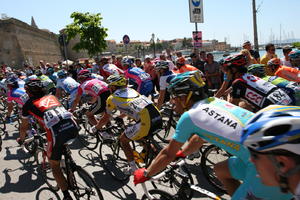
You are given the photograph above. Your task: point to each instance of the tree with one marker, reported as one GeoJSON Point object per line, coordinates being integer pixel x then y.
{"type": "Point", "coordinates": [92, 34]}
{"type": "Point", "coordinates": [296, 44]}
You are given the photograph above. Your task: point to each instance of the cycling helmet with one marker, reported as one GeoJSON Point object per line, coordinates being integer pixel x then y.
{"type": "Point", "coordinates": [83, 75]}
{"type": "Point", "coordinates": [272, 66]}
{"type": "Point", "coordinates": [12, 80]}
{"type": "Point", "coordinates": [237, 60]}
{"type": "Point", "coordinates": [185, 83]}
{"type": "Point", "coordinates": [161, 65]}
{"type": "Point", "coordinates": [294, 55]}
{"type": "Point", "coordinates": [34, 86]}
{"type": "Point", "coordinates": [274, 62]}
{"type": "Point", "coordinates": [50, 70]}
{"type": "Point", "coordinates": [273, 130]}
{"type": "Point", "coordinates": [127, 61]}
{"type": "Point", "coordinates": [61, 74]}
{"type": "Point", "coordinates": [38, 72]}
{"type": "Point", "coordinates": [257, 70]}
{"type": "Point", "coordinates": [116, 80]}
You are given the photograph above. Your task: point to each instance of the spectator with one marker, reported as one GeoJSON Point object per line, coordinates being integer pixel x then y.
{"type": "Point", "coordinates": [196, 62]}
{"type": "Point", "coordinates": [212, 72]}
{"type": "Point", "coordinates": [285, 59]}
{"type": "Point", "coordinates": [42, 67]}
{"type": "Point", "coordinates": [171, 64]}
{"type": "Point", "coordinates": [118, 62]}
{"type": "Point", "coordinates": [96, 66]}
{"type": "Point", "coordinates": [247, 45]}
{"type": "Point", "coordinates": [203, 56]}
{"type": "Point", "coordinates": [139, 63]}
{"type": "Point", "coordinates": [178, 54]}
{"type": "Point", "coordinates": [169, 55]}
{"type": "Point", "coordinates": [250, 59]}
{"type": "Point", "coordinates": [113, 59]}
{"type": "Point", "coordinates": [149, 68]}
{"type": "Point", "coordinates": [270, 53]}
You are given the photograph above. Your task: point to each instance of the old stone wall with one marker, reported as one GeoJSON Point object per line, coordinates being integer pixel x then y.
{"type": "Point", "coordinates": [21, 43]}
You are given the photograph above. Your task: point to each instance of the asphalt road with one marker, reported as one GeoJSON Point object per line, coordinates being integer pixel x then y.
{"type": "Point", "coordinates": [19, 179]}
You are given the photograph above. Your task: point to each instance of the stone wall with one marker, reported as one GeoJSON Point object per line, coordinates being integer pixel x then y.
{"type": "Point", "coordinates": [21, 43]}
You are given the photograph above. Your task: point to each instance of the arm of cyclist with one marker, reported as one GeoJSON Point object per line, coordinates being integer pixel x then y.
{"type": "Point", "coordinates": [161, 98]}
{"type": "Point", "coordinates": [75, 102]}
{"type": "Point", "coordinates": [103, 121]}
{"type": "Point", "coordinates": [58, 93]}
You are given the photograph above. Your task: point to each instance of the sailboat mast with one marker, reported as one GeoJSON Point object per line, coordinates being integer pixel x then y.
{"type": "Point", "coordinates": [255, 25]}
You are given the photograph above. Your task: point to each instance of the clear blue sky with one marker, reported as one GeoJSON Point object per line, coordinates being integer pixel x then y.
{"type": "Point", "coordinates": [167, 19]}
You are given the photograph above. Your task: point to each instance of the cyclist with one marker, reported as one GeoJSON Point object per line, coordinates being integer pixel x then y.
{"type": "Point", "coordinates": [257, 93]}
{"type": "Point", "coordinates": [16, 94]}
{"type": "Point", "coordinates": [272, 137]}
{"type": "Point", "coordinates": [107, 69]}
{"type": "Point", "coordinates": [274, 68]}
{"type": "Point", "coordinates": [163, 71]}
{"type": "Point", "coordinates": [57, 121]}
{"type": "Point", "coordinates": [96, 90]}
{"type": "Point", "coordinates": [182, 67]}
{"type": "Point", "coordinates": [134, 105]}
{"type": "Point", "coordinates": [51, 74]}
{"type": "Point", "coordinates": [67, 84]}
{"type": "Point", "coordinates": [290, 87]}
{"type": "Point", "coordinates": [47, 82]}
{"type": "Point", "coordinates": [217, 122]}
{"type": "Point", "coordinates": [139, 78]}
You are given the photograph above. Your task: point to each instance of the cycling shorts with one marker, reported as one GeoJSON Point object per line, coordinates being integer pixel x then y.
{"type": "Point", "coordinates": [62, 132]}
{"type": "Point", "coordinates": [252, 187]}
{"type": "Point", "coordinates": [150, 122]}
{"type": "Point", "coordinates": [100, 105]}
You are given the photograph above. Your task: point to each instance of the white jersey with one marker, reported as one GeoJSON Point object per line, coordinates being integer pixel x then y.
{"type": "Point", "coordinates": [68, 84]}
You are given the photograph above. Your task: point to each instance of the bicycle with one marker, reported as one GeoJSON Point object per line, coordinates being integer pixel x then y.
{"type": "Point", "coordinates": [185, 190]}
{"type": "Point", "coordinates": [79, 181]}
{"type": "Point", "coordinates": [86, 137]}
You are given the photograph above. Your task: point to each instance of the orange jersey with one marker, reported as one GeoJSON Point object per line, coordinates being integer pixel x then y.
{"type": "Point", "coordinates": [185, 68]}
{"type": "Point", "coordinates": [288, 73]}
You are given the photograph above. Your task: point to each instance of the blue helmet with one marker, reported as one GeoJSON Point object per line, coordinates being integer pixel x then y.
{"type": "Point", "coordinates": [294, 55]}
{"type": "Point", "coordinates": [62, 74]}
{"type": "Point", "coordinates": [127, 61]}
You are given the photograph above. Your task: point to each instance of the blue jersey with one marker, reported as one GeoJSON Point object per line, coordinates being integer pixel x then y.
{"type": "Point", "coordinates": [220, 123]}
{"type": "Point", "coordinates": [68, 84]}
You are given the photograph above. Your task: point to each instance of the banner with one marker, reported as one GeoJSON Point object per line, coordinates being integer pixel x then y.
{"type": "Point", "coordinates": [197, 39]}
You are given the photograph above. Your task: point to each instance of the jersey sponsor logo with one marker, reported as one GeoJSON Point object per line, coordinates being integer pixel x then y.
{"type": "Point", "coordinates": [229, 122]}
{"type": "Point", "coordinates": [254, 97]}
{"type": "Point", "coordinates": [48, 102]}
{"type": "Point", "coordinates": [222, 141]}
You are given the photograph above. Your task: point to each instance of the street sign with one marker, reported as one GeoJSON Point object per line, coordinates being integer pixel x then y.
{"type": "Point", "coordinates": [126, 39]}
{"type": "Point", "coordinates": [197, 39]}
{"type": "Point", "coordinates": [196, 11]}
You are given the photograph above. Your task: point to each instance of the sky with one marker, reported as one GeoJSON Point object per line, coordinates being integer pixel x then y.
{"type": "Point", "coordinates": [229, 20]}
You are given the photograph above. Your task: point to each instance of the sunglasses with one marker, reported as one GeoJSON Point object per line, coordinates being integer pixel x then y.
{"type": "Point", "coordinates": [272, 49]}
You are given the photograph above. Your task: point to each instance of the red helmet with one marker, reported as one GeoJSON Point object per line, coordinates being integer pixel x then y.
{"type": "Point", "coordinates": [237, 60]}
{"type": "Point", "coordinates": [83, 75]}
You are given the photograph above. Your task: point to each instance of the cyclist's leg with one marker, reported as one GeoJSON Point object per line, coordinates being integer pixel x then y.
{"type": "Point", "coordinates": [223, 172]}
{"type": "Point", "coordinates": [94, 109]}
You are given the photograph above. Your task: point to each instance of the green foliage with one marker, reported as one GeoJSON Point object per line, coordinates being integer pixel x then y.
{"type": "Point", "coordinates": [88, 27]}
{"type": "Point", "coordinates": [296, 44]}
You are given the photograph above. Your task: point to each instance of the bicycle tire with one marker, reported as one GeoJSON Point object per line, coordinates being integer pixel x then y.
{"type": "Point", "coordinates": [113, 160]}
{"type": "Point", "coordinates": [0, 143]}
{"type": "Point", "coordinates": [3, 125]}
{"type": "Point", "coordinates": [210, 154]}
{"type": "Point", "coordinates": [175, 181]}
{"type": "Point", "coordinates": [168, 125]}
{"type": "Point", "coordinates": [31, 147]}
{"type": "Point", "coordinates": [87, 187]}
{"type": "Point", "coordinates": [86, 138]}
{"type": "Point", "coordinates": [43, 168]}
{"type": "Point", "coordinates": [159, 195]}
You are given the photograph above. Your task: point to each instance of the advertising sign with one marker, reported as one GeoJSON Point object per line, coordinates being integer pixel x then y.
{"type": "Point", "coordinates": [126, 39]}
{"type": "Point", "coordinates": [197, 39]}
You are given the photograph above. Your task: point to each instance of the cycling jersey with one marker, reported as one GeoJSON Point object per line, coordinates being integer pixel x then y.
{"type": "Point", "coordinates": [137, 107]}
{"type": "Point", "coordinates": [141, 78]}
{"type": "Point", "coordinates": [109, 69]}
{"type": "Point", "coordinates": [220, 123]}
{"type": "Point", "coordinates": [97, 76]}
{"type": "Point", "coordinates": [70, 86]}
{"type": "Point", "coordinates": [165, 79]}
{"type": "Point", "coordinates": [185, 68]}
{"type": "Point", "coordinates": [92, 87]}
{"type": "Point", "coordinates": [290, 87]}
{"type": "Point", "coordinates": [17, 95]}
{"type": "Point", "coordinates": [56, 120]}
{"type": "Point", "coordinates": [21, 83]}
{"type": "Point", "coordinates": [288, 73]}
{"type": "Point", "coordinates": [259, 92]}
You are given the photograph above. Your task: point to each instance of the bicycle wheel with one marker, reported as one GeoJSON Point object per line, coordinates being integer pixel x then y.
{"type": "Point", "coordinates": [2, 125]}
{"type": "Point", "coordinates": [43, 168]}
{"type": "Point", "coordinates": [86, 138]}
{"type": "Point", "coordinates": [175, 181]}
{"type": "Point", "coordinates": [84, 186]}
{"type": "Point", "coordinates": [158, 195]}
{"type": "Point", "coordinates": [0, 143]}
{"type": "Point", "coordinates": [212, 155]}
{"type": "Point", "coordinates": [113, 160]}
{"type": "Point", "coordinates": [168, 127]}
{"type": "Point", "coordinates": [31, 147]}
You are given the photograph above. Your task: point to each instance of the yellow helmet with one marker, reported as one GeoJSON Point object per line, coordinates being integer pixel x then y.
{"type": "Point", "coordinates": [116, 80]}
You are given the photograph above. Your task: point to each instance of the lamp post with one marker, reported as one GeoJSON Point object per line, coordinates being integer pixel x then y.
{"type": "Point", "coordinates": [153, 42]}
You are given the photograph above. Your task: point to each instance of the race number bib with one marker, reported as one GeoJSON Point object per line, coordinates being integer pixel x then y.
{"type": "Point", "coordinates": [144, 76]}
{"type": "Point", "coordinates": [96, 88]}
{"type": "Point", "coordinates": [140, 103]}
{"type": "Point", "coordinates": [279, 97]}
{"type": "Point", "coordinates": [53, 116]}
{"type": "Point", "coordinates": [24, 97]}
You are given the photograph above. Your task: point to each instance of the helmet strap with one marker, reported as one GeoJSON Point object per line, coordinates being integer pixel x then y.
{"type": "Point", "coordinates": [184, 105]}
